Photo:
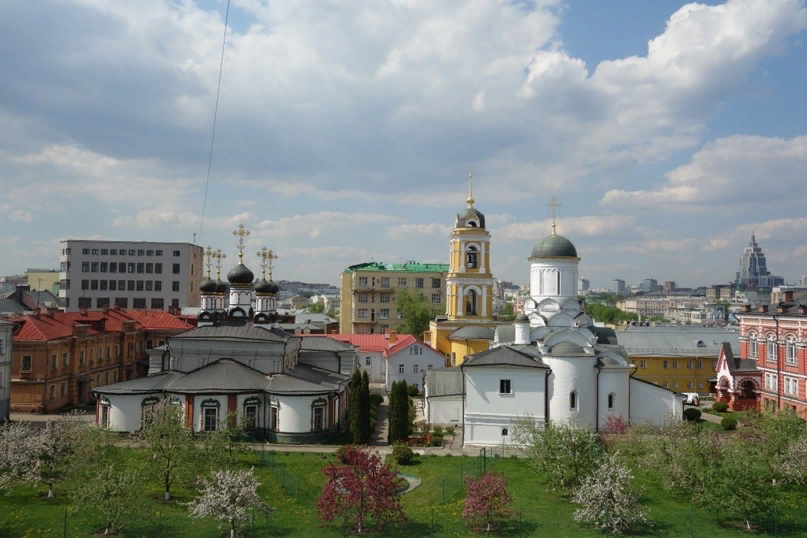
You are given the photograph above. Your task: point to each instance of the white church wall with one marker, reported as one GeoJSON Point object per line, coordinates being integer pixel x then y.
{"type": "Point", "coordinates": [198, 422]}
{"type": "Point", "coordinates": [614, 382]}
{"type": "Point", "coordinates": [444, 410]}
{"type": "Point", "coordinates": [425, 358]}
{"type": "Point", "coordinates": [652, 403]}
{"type": "Point", "coordinates": [326, 361]}
{"type": "Point", "coordinates": [572, 374]}
{"type": "Point", "coordinates": [487, 412]}
{"type": "Point", "coordinates": [295, 413]}
{"type": "Point", "coordinates": [125, 410]}
{"type": "Point", "coordinates": [544, 279]}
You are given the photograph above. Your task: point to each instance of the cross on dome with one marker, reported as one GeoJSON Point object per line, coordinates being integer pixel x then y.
{"type": "Point", "coordinates": [554, 205]}
{"type": "Point", "coordinates": [470, 200]}
{"type": "Point", "coordinates": [241, 233]}
{"type": "Point", "coordinates": [219, 256]}
{"type": "Point", "coordinates": [267, 258]}
{"type": "Point", "coordinates": [209, 259]}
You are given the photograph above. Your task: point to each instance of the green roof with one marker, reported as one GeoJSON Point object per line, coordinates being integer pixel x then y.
{"type": "Point", "coordinates": [409, 267]}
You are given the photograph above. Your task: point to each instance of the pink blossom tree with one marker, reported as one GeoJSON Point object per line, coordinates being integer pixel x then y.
{"type": "Point", "coordinates": [363, 488]}
{"type": "Point", "coordinates": [230, 497]}
{"type": "Point", "coordinates": [615, 425]}
{"type": "Point", "coordinates": [487, 502]}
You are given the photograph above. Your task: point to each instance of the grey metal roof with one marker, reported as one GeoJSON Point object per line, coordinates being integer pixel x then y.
{"type": "Point", "coordinates": [567, 348]}
{"type": "Point", "coordinates": [554, 246]}
{"type": "Point", "coordinates": [305, 379]}
{"type": "Point", "coordinates": [469, 213]}
{"type": "Point", "coordinates": [605, 335]}
{"type": "Point", "coordinates": [503, 356]}
{"type": "Point", "coordinates": [10, 306]}
{"type": "Point", "coordinates": [143, 385]}
{"type": "Point", "coordinates": [444, 381]}
{"type": "Point", "coordinates": [243, 331]}
{"type": "Point", "coordinates": [323, 343]}
{"type": "Point", "coordinates": [737, 364]}
{"type": "Point", "coordinates": [472, 332]}
{"type": "Point", "coordinates": [676, 341]}
{"type": "Point", "coordinates": [223, 375]}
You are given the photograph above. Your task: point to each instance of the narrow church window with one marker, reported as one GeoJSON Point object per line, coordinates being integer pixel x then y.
{"type": "Point", "coordinates": [573, 400]}
{"type": "Point", "coordinates": [472, 257]}
{"type": "Point", "coordinates": [504, 386]}
{"type": "Point", "coordinates": [611, 401]}
{"type": "Point", "coordinates": [251, 417]}
{"type": "Point", "coordinates": [504, 432]}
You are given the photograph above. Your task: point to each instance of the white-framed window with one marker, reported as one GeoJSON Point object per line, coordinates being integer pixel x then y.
{"type": "Point", "coordinates": [402, 282]}
{"type": "Point", "coordinates": [385, 297]}
{"type": "Point", "coordinates": [362, 281]}
{"type": "Point", "coordinates": [414, 368]}
{"type": "Point", "coordinates": [642, 364]}
{"type": "Point", "coordinates": [505, 387]}
{"type": "Point", "coordinates": [367, 361]}
{"type": "Point", "coordinates": [689, 365]}
{"type": "Point", "coordinates": [676, 364]}
{"type": "Point", "coordinates": [700, 385]}
{"type": "Point", "coordinates": [362, 313]}
{"type": "Point", "coordinates": [573, 400]}
{"type": "Point", "coordinates": [753, 345]}
{"type": "Point", "coordinates": [700, 365]}
{"type": "Point", "coordinates": [401, 368]}
{"type": "Point", "coordinates": [675, 385]}
{"type": "Point", "coordinates": [771, 355]}
{"type": "Point", "coordinates": [435, 298]}
{"type": "Point", "coordinates": [362, 297]}
{"type": "Point", "coordinates": [792, 357]}
{"type": "Point", "coordinates": [791, 386]}
{"type": "Point", "coordinates": [384, 313]}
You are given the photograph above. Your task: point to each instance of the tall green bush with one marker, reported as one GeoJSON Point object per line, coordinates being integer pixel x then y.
{"type": "Point", "coordinates": [354, 409]}
{"type": "Point", "coordinates": [365, 408]}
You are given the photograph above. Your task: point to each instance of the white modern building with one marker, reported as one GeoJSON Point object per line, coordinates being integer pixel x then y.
{"type": "Point", "coordinates": [5, 369]}
{"type": "Point", "coordinates": [552, 364]}
{"type": "Point", "coordinates": [130, 274]}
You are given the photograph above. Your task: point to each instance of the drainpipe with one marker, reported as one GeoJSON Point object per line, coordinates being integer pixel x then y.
{"type": "Point", "coordinates": [546, 396]}
{"type": "Point", "coordinates": [462, 371]}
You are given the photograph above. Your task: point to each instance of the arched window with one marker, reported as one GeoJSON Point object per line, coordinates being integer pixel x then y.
{"type": "Point", "coordinates": [771, 348]}
{"type": "Point", "coordinates": [470, 303]}
{"type": "Point", "coordinates": [472, 224]}
{"type": "Point", "coordinates": [472, 257]}
{"type": "Point", "coordinates": [754, 351]}
{"type": "Point", "coordinates": [611, 401]}
{"type": "Point", "coordinates": [792, 358]}
{"type": "Point", "coordinates": [573, 400]}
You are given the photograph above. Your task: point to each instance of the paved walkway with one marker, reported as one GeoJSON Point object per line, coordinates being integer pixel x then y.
{"type": "Point", "coordinates": [705, 416]}
{"type": "Point", "coordinates": [381, 425]}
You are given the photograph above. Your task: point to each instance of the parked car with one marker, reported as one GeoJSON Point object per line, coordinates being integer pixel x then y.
{"type": "Point", "coordinates": [692, 398]}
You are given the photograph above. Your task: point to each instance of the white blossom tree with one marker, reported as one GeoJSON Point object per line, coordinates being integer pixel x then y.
{"type": "Point", "coordinates": [49, 450]}
{"type": "Point", "coordinates": [606, 502]}
{"type": "Point", "coordinates": [229, 496]}
{"type": "Point", "coordinates": [15, 450]}
{"type": "Point", "coordinates": [794, 461]}
{"type": "Point", "coordinates": [115, 493]}
{"type": "Point", "coordinates": [169, 444]}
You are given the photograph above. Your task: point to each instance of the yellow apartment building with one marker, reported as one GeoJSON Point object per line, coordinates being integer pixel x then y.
{"type": "Point", "coordinates": [680, 358]}
{"type": "Point", "coordinates": [369, 289]}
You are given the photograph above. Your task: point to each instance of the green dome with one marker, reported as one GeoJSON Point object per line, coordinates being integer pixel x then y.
{"type": "Point", "coordinates": [554, 246]}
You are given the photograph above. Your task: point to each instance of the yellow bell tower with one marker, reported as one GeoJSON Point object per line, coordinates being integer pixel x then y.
{"type": "Point", "coordinates": [468, 326]}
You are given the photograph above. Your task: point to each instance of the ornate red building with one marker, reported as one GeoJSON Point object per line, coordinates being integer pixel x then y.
{"type": "Point", "coordinates": [773, 340]}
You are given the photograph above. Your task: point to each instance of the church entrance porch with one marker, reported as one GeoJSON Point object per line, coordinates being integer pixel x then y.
{"type": "Point", "coordinates": [745, 397]}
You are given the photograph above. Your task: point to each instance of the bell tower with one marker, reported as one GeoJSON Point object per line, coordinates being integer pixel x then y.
{"type": "Point", "coordinates": [469, 286]}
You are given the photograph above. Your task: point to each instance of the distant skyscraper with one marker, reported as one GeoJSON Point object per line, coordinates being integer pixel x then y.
{"type": "Point", "coordinates": [617, 286]}
{"type": "Point", "coordinates": [583, 284]}
{"type": "Point", "coordinates": [648, 285]}
{"type": "Point", "coordinates": [753, 271]}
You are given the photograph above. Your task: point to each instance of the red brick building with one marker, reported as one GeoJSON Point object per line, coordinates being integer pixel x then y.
{"type": "Point", "coordinates": [774, 338]}
{"type": "Point", "coordinates": [59, 357]}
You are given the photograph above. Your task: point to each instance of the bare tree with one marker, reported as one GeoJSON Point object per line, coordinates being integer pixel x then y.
{"type": "Point", "coordinates": [169, 444]}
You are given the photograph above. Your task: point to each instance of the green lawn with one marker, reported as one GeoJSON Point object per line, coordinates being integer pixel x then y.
{"type": "Point", "coordinates": [434, 509]}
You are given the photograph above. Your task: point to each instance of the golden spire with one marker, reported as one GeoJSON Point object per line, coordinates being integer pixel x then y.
{"type": "Point", "coordinates": [470, 201]}
{"type": "Point", "coordinates": [554, 205]}
{"type": "Point", "coordinates": [219, 256]}
{"type": "Point", "coordinates": [267, 258]}
{"type": "Point", "coordinates": [241, 233]}
{"type": "Point", "coordinates": [209, 259]}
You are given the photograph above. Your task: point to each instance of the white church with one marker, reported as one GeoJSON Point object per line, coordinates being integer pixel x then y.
{"type": "Point", "coordinates": [553, 364]}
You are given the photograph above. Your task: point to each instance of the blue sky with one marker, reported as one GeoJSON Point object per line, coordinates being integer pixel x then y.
{"type": "Point", "coordinates": [667, 130]}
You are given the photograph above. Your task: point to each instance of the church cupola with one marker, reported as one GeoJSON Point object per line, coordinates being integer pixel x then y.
{"type": "Point", "coordinates": [469, 288]}
{"type": "Point", "coordinates": [266, 290]}
{"type": "Point", "coordinates": [240, 278]}
{"type": "Point", "coordinates": [208, 286]}
{"type": "Point", "coordinates": [522, 329]}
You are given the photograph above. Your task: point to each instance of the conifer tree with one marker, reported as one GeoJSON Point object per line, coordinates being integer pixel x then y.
{"type": "Point", "coordinates": [392, 413]}
{"type": "Point", "coordinates": [365, 407]}
{"type": "Point", "coordinates": [354, 408]}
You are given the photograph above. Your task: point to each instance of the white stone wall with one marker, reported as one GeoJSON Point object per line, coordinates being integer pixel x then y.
{"type": "Point", "coordinates": [652, 403]}
{"type": "Point", "coordinates": [429, 357]}
{"type": "Point", "coordinates": [295, 413]}
{"type": "Point", "coordinates": [543, 279]}
{"type": "Point", "coordinates": [125, 410]}
{"type": "Point", "coordinates": [614, 382]}
{"type": "Point", "coordinates": [444, 410]}
{"type": "Point", "coordinates": [572, 374]}
{"type": "Point", "coordinates": [376, 370]}
{"type": "Point", "coordinates": [487, 411]}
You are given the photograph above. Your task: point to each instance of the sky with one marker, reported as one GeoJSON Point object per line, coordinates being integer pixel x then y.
{"type": "Point", "coordinates": [346, 128]}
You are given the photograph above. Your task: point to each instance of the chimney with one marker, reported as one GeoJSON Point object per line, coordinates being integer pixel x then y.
{"type": "Point", "coordinates": [763, 308]}
{"type": "Point", "coordinates": [789, 296]}
{"type": "Point", "coordinates": [83, 311]}
{"type": "Point", "coordinates": [105, 308]}
{"type": "Point", "coordinates": [43, 311]}
{"type": "Point", "coordinates": [393, 338]}
{"type": "Point", "coordinates": [781, 308]}
{"type": "Point", "coordinates": [116, 307]}
{"type": "Point", "coordinates": [427, 336]}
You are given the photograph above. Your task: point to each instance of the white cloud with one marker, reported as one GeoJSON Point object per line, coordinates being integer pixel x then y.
{"type": "Point", "coordinates": [587, 226]}
{"type": "Point", "coordinates": [667, 246]}
{"type": "Point", "coordinates": [410, 231]}
{"type": "Point", "coordinates": [777, 229]}
{"type": "Point", "coordinates": [21, 215]}
{"type": "Point", "coordinates": [313, 224]}
{"type": "Point", "coordinates": [726, 172]}
{"type": "Point", "coordinates": [154, 218]}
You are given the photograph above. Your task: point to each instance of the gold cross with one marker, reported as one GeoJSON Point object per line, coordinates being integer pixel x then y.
{"type": "Point", "coordinates": [554, 205]}
{"type": "Point", "coordinates": [219, 256]}
{"type": "Point", "coordinates": [209, 259]}
{"type": "Point", "coordinates": [241, 233]}
{"type": "Point", "coordinates": [267, 261]}
{"type": "Point", "coordinates": [470, 199]}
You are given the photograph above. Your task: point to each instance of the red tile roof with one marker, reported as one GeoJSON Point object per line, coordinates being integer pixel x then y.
{"type": "Point", "coordinates": [44, 327]}
{"type": "Point", "coordinates": [404, 341]}
{"type": "Point", "coordinates": [366, 342]}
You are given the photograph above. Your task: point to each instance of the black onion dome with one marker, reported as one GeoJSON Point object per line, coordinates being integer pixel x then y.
{"type": "Point", "coordinates": [221, 286]}
{"type": "Point", "coordinates": [240, 275]}
{"type": "Point", "coordinates": [266, 287]}
{"type": "Point", "coordinates": [554, 246]}
{"type": "Point", "coordinates": [208, 285]}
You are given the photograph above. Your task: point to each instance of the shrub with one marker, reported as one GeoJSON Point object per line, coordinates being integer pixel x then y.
{"type": "Point", "coordinates": [412, 390]}
{"type": "Point", "coordinates": [487, 504]}
{"type": "Point", "coordinates": [692, 414]}
{"type": "Point", "coordinates": [615, 425]}
{"type": "Point", "coordinates": [729, 423]}
{"type": "Point", "coordinates": [720, 407]}
{"type": "Point", "coordinates": [342, 452]}
{"type": "Point", "coordinates": [376, 400]}
{"type": "Point", "coordinates": [403, 454]}
{"type": "Point", "coordinates": [450, 430]}
{"type": "Point", "coordinates": [438, 430]}
{"type": "Point", "coordinates": [437, 440]}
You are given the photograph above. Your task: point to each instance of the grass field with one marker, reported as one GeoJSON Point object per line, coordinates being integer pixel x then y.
{"type": "Point", "coordinates": [434, 509]}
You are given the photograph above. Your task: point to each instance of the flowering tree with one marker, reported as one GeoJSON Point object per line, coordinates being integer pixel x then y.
{"type": "Point", "coordinates": [607, 503]}
{"type": "Point", "coordinates": [50, 450]}
{"type": "Point", "coordinates": [15, 450]}
{"type": "Point", "coordinates": [170, 446]}
{"type": "Point", "coordinates": [230, 497]}
{"type": "Point", "coordinates": [615, 425]}
{"type": "Point", "coordinates": [365, 487]}
{"type": "Point", "coordinates": [794, 461]}
{"type": "Point", "coordinates": [487, 503]}
{"type": "Point", "coordinates": [114, 492]}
